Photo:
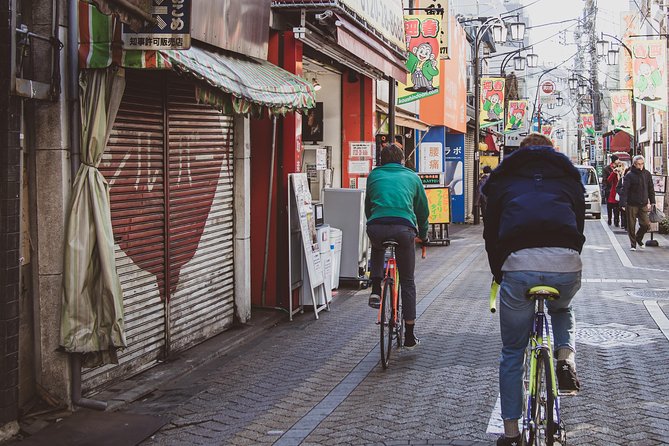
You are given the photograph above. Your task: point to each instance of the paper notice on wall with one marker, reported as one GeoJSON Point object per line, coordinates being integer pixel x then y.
{"type": "Point", "coordinates": [362, 183]}
{"type": "Point", "coordinates": [358, 167]}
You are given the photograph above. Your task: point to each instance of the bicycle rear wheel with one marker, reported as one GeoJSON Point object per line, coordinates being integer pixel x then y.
{"type": "Point", "coordinates": [542, 425]}
{"type": "Point", "coordinates": [386, 325]}
{"type": "Point", "coordinates": [399, 329]}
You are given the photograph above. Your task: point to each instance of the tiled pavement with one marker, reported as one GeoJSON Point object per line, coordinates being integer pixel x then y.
{"type": "Point", "coordinates": [319, 382]}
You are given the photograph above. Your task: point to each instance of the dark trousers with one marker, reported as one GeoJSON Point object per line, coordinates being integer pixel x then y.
{"type": "Point", "coordinates": [405, 253]}
{"type": "Point", "coordinates": [613, 210]}
{"type": "Point", "coordinates": [634, 213]}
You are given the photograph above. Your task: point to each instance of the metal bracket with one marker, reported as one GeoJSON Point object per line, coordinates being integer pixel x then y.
{"type": "Point", "coordinates": [301, 31]}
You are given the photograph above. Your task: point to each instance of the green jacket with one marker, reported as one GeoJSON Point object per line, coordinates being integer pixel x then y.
{"type": "Point", "coordinates": [428, 70]}
{"type": "Point", "coordinates": [395, 191]}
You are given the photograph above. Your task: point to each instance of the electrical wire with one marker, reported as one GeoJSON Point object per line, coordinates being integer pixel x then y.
{"type": "Point", "coordinates": [645, 17]}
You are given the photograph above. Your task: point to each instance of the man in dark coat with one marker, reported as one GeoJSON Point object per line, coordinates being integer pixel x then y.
{"type": "Point", "coordinates": [534, 235]}
{"type": "Point", "coordinates": [637, 198]}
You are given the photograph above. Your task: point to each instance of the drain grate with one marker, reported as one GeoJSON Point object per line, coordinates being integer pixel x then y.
{"type": "Point", "coordinates": [650, 294]}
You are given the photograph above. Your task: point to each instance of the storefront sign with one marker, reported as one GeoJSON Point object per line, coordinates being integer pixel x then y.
{"type": "Point", "coordinates": [650, 72]}
{"type": "Point", "coordinates": [358, 167]}
{"type": "Point", "coordinates": [516, 118]}
{"type": "Point", "coordinates": [386, 17]}
{"type": "Point", "coordinates": [439, 203]}
{"type": "Point", "coordinates": [492, 102]}
{"type": "Point", "coordinates": [430, 178]}
{"type": "Point", "coordinates": [360, 149]}
{"type": "Point", "coordinates": [621, 111]}
{"type": "Point", "coordinates": [431, 157]}
{"type": "Point", "coordinates": [171, 31]}
{"type": "Point", "coordinates": [422, 35]}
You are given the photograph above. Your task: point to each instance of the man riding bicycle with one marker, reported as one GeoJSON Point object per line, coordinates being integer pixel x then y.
{"type": "Point", "coordinates": [396, 209]}
{"type": "Point", "coordinates": [534, 235]}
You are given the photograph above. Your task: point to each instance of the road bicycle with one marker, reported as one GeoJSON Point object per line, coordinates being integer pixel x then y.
{"type": "Point", "coordinates": [390, 320]}
{"type": "Point", "coordinates": [542, 423]}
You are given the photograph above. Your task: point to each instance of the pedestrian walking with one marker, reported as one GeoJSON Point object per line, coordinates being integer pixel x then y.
{"type": "Point", "coordinates": [613, 197]}
{"type": "Point", "coordinates": [482, 199]}
{"type": "Point", "coordinates": [636, 200]}
{"type": "Point", "coordinates": [533, 234]}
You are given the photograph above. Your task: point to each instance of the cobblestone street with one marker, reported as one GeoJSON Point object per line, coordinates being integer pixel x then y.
{"type": "Point", "coordinates": [319, 382]}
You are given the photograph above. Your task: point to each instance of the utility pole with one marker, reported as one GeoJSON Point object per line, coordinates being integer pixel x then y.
{"type": "Point", "coordinates": [579, 64]}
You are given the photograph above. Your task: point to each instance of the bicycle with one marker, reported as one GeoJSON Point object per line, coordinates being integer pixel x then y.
{"type": "Point", "coordinates": [542, 423]}
{"type": "Point", "coordinates": [390, 320]}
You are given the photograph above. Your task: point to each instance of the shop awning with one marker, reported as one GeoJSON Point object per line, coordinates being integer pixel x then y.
{"type": "Point", "coordinates": [229, 81]}
{"type": "Point", "coordinates": [402, 118]}
{"type": "Point", "coordinates": [135, 13]}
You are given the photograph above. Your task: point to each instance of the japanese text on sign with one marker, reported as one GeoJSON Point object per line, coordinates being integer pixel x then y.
{"type": "Point", "coordinates": [171, 30]}
{"type": "Point", "coordinates": [431, 157]}
{"type": "Point", "coordinates": [360, 149]}
{"type": "Point", "coordinates": [439, 202]}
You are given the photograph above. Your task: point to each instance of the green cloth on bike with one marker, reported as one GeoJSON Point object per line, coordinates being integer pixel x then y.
{"type": "Point", "coordinates": [396, 191]}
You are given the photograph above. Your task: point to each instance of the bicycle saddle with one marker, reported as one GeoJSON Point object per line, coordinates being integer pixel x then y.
{"type": "Point", "coordinates": [390, 242]}
{"type": "Point", "coordinates": [547, 292]}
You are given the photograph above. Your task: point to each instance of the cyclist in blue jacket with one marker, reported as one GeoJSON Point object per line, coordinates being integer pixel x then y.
{"type": "Point", "coordinates": [534, 235]}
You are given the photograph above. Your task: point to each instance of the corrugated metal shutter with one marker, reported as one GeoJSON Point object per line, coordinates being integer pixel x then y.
{"type": "Point", "coordinates": [133, 164]}
{"type": "Point", "coordinates": [200, 218]}
{"type": "Point", "coordinates": [469, 171]}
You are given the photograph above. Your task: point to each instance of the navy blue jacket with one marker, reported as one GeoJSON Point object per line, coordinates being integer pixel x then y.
{"type": "Point", "coordinates": [535, 199]}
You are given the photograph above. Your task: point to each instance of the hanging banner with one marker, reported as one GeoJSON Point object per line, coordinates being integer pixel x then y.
{"type": "Point", "coordinates": [649, 66]}
{"type": "Point", "coordinates": [516, 117]}
{"type": "Point", "coordinates": [546, 129]}
{"type": "Point", "coordinates": [621, 111]}
{"type": "Point", "coordinates": [492, 101]}
{"type": "Point", "coordinates": [423, 45]}
{"type": "Point", "coordinates": [587, 124]}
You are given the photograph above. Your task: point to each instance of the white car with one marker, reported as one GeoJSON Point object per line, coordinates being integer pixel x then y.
{"type": "Point", "coordinates": [593, 195]}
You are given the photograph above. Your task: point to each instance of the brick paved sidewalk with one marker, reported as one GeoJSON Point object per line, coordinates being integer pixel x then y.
{"type": "Point", "coordinates": [319, 382]}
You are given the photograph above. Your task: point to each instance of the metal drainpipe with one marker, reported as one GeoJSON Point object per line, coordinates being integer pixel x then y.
{"type": "Point", "coordinates": [75, 145]}
{"type": "Point", "coordinates": [263, 298]}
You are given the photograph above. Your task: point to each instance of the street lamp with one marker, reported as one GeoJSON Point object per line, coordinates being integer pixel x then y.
{"type": "Point", "coordinates": [582, 89]}
{"type": "Point", "coordinates": [602, 47]}
{"type": "Point", "coordinates": [517, 30]}
{"type": "Point", "coordinates": [612, 57]}
{"type": "Point", "coordinates": [519, 63]}
{"type": "Point", "coordinates": [532, 60]}
{"type": "Point", "coordinates": [573, 83]}
{"type": "Point", "coordinates": [498, 28]}
{"type": "Point", "coordinates": [559, 100]}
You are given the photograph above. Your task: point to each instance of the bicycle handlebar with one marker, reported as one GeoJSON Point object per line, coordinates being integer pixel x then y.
{"type": "Point", "coordinates": [423, 246]}
{"type": "Point", "coordinates": [494, 288]}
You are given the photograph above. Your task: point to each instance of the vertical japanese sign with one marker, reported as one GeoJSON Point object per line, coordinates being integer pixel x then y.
{"type": "Point", "coordinates": [422, 34]}
{"type": "Point", "coordinates": [492, 102]}
{"type": "Point", "coordinates": [170, 32]}
{"type": "Point", "coordinates": [516, 117]}
{"type": "Point", "coordinates": [587, 124]}
{"type": "Point", "coordinates": [649, 65]}
{"type": "Point", "coordinates": [439, 203]}
{"type": "Point", "coordinates": [431, 157]}
{"type": "Point", "coordinates": [621, 111]}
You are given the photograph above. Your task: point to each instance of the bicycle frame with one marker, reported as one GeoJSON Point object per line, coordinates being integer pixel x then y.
{"type": "Point", "coordinates": [393, 275]}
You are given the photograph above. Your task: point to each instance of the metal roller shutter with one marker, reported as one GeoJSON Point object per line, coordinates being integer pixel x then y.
{"type": "Point", "coordinates": [133, 165]}
{"type": "Point", "coordinates": [200, 218]}
{"type": "Point", "coordinates": [469, 171]}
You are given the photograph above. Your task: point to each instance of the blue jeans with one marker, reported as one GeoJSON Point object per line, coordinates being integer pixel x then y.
{"type": "Point", "coordinates": [516, 314]}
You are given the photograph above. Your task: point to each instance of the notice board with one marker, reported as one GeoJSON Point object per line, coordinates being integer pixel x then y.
{"type": "Point", "coordinates": [439, 203]}
{"type": "Point", "coordinates": [305, 213]}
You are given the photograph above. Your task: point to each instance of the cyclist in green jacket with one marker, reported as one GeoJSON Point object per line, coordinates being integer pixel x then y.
{"type": "Point", "coordinates": [396, 208]}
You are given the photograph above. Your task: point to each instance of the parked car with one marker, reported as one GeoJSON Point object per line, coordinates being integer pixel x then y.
{"type": "Point", "coordinates": [593, 195]}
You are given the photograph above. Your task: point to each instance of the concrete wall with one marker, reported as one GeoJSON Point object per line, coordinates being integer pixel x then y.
{"type": "Point", "coordinates": [51, 182]}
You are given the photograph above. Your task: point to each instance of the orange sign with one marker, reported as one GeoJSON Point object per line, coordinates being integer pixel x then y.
{"type": "Point", "coordinates": [439, 203]}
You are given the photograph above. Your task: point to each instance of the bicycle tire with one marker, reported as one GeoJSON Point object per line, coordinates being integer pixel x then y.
{"type": "Point", "coordinates": [542, 425]}
{"type": "Point", "coordinates": [386, 325]}
{"type": "Point", "coordinates": [400, 319]}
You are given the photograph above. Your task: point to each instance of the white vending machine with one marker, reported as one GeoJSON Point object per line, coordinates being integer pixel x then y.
{"type": "Point", "coordinates": [323, 234]}
{"type": "Point", "coordinates": [345, 209]}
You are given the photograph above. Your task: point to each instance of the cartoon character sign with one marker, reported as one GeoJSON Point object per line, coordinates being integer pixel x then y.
{"type": "Point", "coordinates": [492, 102]}
{"type": "Point", "coordinates": [516, 116]}
{"type": "Point", "coordinates": [621, 111]}
{"type": "Point", "coordinates": [423, 78]}
{"type": "Point", "coordinates": [588, 124]}
{"type": "Point", "coordinates": [650, 73]}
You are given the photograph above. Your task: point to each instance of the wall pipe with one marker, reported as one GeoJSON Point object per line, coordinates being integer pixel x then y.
{"type": "Point", "coordinates": [269, 216]}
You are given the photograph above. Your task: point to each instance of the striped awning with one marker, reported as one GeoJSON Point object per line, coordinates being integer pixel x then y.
{"type": "Point", "coordinates": [229, 81]}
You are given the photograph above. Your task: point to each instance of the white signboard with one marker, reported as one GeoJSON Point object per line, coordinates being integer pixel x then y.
{"type": "Point", "coordinates": [360, 149]}
{"type": "Point", "coordinates": [357, 167]}
{"type": "Point", "coordinates": [305, 212]}
{"type": "Point", "coordinates": [431, 157]}
{"type": "Point", "coordinates": [386, 17]}
{"type": "Point", "coordinates": [321, 158]}
{"type": "Point", "coordinates": [548, 100]}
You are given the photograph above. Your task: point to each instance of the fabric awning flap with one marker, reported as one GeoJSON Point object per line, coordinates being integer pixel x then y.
{"type": "Point", "coordinates": [402, 118]}
{"type": "Point", "coordinates": [250, 81]}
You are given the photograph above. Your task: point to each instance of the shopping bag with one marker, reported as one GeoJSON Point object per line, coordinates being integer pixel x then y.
{"type": "Point", "coordinates": [655, 215]}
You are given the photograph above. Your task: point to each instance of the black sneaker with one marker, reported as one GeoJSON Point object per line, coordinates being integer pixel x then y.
{"type": "Point", "coordinates": [411, 342]}
{"type": "Point", "coordinates": [508, 441]}
{"type": "Point", "coordinates": [568, 383]}
{"type": "Point", "coordinates": [374, 301]}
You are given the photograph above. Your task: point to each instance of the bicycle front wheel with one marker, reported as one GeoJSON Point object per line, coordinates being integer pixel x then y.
{"type": "Point", "coordinates": [386, 325]}
{"type": "Point", "coordinates": [542, 426]}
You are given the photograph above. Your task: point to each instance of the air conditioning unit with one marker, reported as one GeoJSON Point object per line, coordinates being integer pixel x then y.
{"type": "Point", "coordinates": [470, 79]}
